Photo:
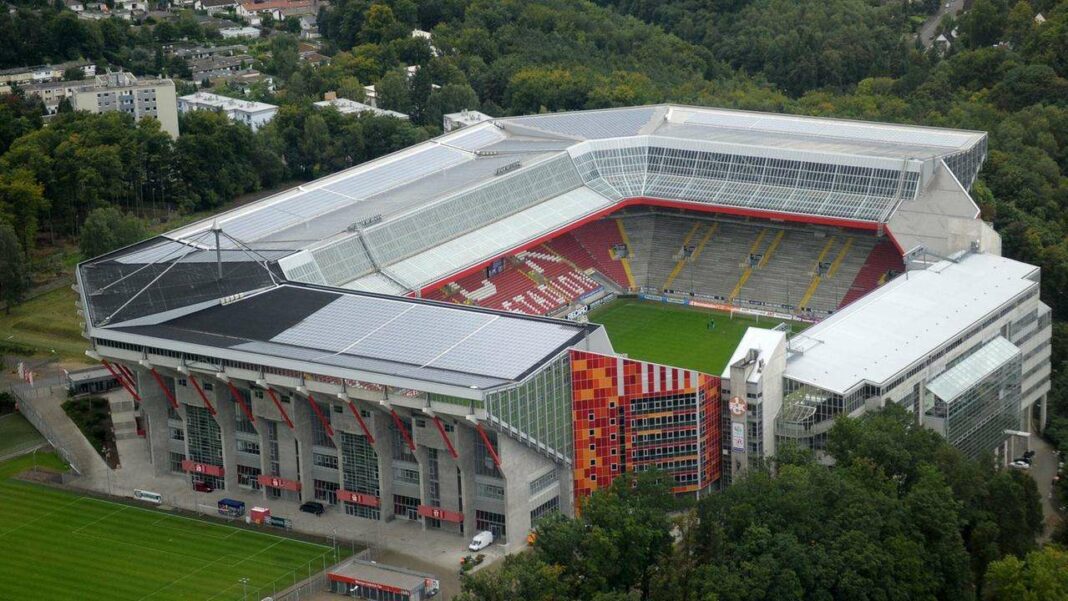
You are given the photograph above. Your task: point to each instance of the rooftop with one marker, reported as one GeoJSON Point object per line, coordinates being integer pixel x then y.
{"type": "Point", "coordinates": [963, 376]}
{"type": "Point", "coordinates": [375, 334]}
{"type": "Point", "coordinates": [765, 341]}
{"type": "Point", "coordinates": [886, 332]}
{"type": "Point", "coordinates": [207, 99]}
{"type": "Point", "coordinates": [346, 106]}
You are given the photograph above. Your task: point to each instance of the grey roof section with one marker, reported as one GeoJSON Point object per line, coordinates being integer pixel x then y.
{"type": "Point", "coordinates": [423, 340]}
{"type": "Point", "coordinates": [590, 125]}
{"type": "Point", "coordinates": [884, 333]}
{"type": "Point", "coordinates": [958, 379]}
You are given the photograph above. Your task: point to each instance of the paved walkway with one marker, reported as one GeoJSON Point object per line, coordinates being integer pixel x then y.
{"type": "Point", "coordinates": [1043, 469]}
{"type": "Point", "coordinates": [927, 30]}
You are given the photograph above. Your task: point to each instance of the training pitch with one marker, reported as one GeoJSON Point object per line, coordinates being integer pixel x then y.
{"type": "Point", "coordinates": [62, 546]}
{"type": "Point", "coordinates": [676, 335]}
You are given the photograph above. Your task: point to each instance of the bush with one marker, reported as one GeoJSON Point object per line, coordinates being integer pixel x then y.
{"type": "Point", "coordinates": [92, 415]}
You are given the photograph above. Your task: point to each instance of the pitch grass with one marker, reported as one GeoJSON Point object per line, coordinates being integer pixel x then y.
{"type": "Point", "coordinates": [674, 334]}
{"type": "Point", "coordinates": [61, 546]}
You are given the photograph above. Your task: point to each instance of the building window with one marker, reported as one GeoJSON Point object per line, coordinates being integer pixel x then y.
{"type": "Point", "coordinates": [489, 491]}
{"type": "Point", "coordinates": [177, 433]}
{"type": "Point", "coordinates": [494, 522]}
{"type": "Point", "coordinates": [484, 464]}
{"type": "Point", "coordinates": [406, 507]}
{"type": "Point", "coordinates": [325, 491]}
{"type": "Point", "coordinates": [401, 450]}
{"type": "Point", "coordinates": [405, 474]}
{"type": "Point", "coordinates": [550, 506]}
{"type": "Point", "coordinates": [176, 460]}
{"type": "Point", "coordinates": [323, 460]}
{"type": "Point", "coordinates": [542, 482]}
{"type": "Point", "coordinates": [248, 477]}
{"type": "Point", "coordinates": [248, 446]}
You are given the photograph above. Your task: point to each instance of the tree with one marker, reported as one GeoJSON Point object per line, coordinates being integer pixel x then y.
{"type": "Point", "coordinates": [14, 273]}
{"type": "Point", "coordinates": [393, 92]}
{"type": "Point", "coordinates": [450, 98]}
{"type": "Point", "coordinates": [21, 201]}
{"type": "Point", "coordinates": [285, 56]}
{"type": "Point", "coordinates": [520, 576]}
{"type": "Point", "coordinates": [107, 229]}
{"type": "Point", "coordinates": [1041, 576]}
{"type": "Point", "coordinates": [73, 74]}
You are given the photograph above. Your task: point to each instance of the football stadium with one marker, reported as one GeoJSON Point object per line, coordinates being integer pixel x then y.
{"type": "Point", "coordinates": [488, 326]}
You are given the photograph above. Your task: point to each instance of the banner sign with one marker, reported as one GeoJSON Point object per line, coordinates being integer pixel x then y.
{"type": "Point", "coordinates": [279, 482]}
{"type": "Point", "coordinates": [357, 498]}
{"type": "Point", "coordinates": [438, 513]}
{"type": "Point", "coordinates": [738, 437]}
{"type": "Point", "coordinates": [193, 467]}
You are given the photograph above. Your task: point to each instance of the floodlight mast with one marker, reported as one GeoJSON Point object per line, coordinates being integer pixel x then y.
{"type": "Point", "coordinates": [215, 229]}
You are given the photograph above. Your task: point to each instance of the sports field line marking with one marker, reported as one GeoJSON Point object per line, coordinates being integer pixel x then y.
{"type": "Point", "coordinates": [209, 564]}
{"type": "Point", "coordinates": [183, 577]}
{"type": "Point", "coordinates": [41, 517]}
{"type": "Point", "coordinates": [140, 546]}
{"type": "Point", "coordinates": [225, 590]}
{"type": "Point", "coordinates": [98, 520]}
{"type": "Point", "coordinates": [202, 521]}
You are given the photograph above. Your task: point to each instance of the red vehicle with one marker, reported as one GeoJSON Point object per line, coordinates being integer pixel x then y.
{"type": "Point", "coordinates": [203, 487]}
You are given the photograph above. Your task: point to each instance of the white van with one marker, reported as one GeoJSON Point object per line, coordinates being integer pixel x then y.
{"type": "Point", "coordinates": [481, 541]}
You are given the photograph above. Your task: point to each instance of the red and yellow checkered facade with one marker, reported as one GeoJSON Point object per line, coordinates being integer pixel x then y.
{"type": "Point", "coordinates": [632, 415]}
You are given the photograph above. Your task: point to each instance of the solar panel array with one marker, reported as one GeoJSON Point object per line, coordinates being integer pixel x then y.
{"type": "Point", "coordinates": [426, 335]}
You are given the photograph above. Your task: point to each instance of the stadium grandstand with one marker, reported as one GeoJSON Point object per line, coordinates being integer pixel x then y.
{"type": "Point", "coordinates": [398, 320]}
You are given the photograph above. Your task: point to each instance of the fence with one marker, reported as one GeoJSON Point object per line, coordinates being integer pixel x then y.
{"type": "Point", "coordinates": [30, 412]}
{"type": "Point", "coordinates": [314, 584]}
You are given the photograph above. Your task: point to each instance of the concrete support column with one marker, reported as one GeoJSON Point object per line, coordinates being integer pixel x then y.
{"type": "Point", "coordinates": [383, 447]}
{"type": "Point", "coordinates": [225, 416]}
{"type": "Point", "coordinates": [465, 448]}
{"type": "Point", "coordinates": [422, 456]}
{"type": "Point", "coordinates": [154, 408]}
{"type": "Point", "coordinates": [304, 436]}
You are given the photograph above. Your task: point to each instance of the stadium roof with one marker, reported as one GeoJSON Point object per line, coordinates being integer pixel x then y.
{"type": "Point", "coordinates": [892, 328]}
{"type": "Point", "coordinates": [413, 339]}
{"type": "Point", "coordinates": [394, 224]}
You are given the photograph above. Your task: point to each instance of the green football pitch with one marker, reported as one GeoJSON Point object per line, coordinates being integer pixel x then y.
{"type": "Point", "coordinates": [58, 545]}
{"type": "Point", "coordinates": [676, 335]}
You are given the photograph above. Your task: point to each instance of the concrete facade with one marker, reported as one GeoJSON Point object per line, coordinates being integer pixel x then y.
{"type": "Point", "coordinates": [465, 485]}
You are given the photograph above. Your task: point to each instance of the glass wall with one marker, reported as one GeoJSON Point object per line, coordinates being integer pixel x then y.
{"type": "Point", "coordinates": [538, 409]}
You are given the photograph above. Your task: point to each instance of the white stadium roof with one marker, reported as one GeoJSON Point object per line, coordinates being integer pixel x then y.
{"type": "Point", "coordinates": [412, 219]}
{"type": "Point", "coordinates": [892, 328]}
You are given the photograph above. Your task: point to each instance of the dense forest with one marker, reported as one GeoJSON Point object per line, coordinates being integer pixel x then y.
{"type": "Point", "coordinates": [901, 515]}
{"type": "Point", "coordinates": [928, 528]}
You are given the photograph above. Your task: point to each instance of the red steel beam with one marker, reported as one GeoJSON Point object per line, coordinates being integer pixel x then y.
{"type": "Point", "coordinates": [240, 400]}
{"type": "Point", "coordinates": [203, 397]}
{"type": "Point", "coordinates": [400, 426]}
{"type": "Point", "coordinates": [445, 437]}
{"type": "Point", "coordinates": [122, 381]}
{"type": "Point", "coordinates": [126, 370]}
{"type": "Point", "coordinates": [163, 387]}
{"type": "Point", "coordinates": [281, 410]}
{"type": "Point", "coordinates": [489, 446]}
{"type": "Point", "coordinates": [359, 420]}
{"type": "Point", "coordinates": [319, 414]}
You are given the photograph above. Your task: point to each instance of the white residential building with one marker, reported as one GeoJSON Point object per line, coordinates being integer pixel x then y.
{"type": "Point", "coordinates": [251, 113]}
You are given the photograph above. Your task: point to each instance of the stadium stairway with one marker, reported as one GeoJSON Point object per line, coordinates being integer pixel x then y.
{"type": "Point", "coordinates": [754, 249]}
{"type": "Point", "coordinates": [882, 259]}
{"type": "Point", "coordinates": [706, 233]}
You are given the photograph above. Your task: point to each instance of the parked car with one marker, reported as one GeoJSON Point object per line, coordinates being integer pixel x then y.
{"type": "Point", "coordinates": [313, 507]}
{"type": "Point", "coordinates": [1019, 464]}
{"type": "Point", "coordinates": [481, 541]}
{"type": "Point", "coordinates": [203, 487]}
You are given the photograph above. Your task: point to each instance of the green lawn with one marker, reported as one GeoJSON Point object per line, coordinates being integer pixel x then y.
{"type": "Point", "coordinates": [17, 434]}
{"type": "Point", "coordinates": [46, 323]}
{"type": "Point", "coordinates": [58, 545]}
{"type": "Point", "coordinates": [675, 335]}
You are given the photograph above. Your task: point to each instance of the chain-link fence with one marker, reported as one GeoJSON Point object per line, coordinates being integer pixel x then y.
{"type": "Point", "coordinates": [25, 396]}
{"type": "Point", "coordinates": [289, 588]}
